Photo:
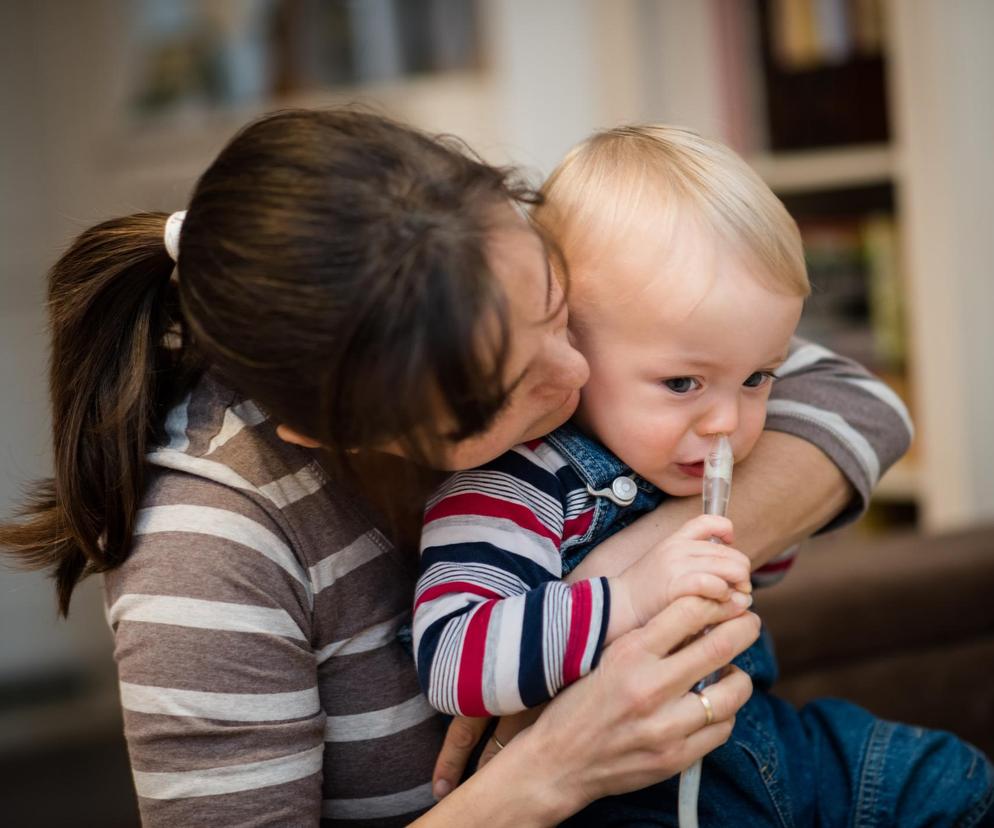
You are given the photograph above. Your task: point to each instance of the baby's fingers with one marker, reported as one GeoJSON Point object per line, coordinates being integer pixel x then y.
{"type": "Point", "coordinates": [733, 569]}
{"type": "Point", "coordinates": [704, 584]}
{"type": "Point", "coordinates": [705, 527]}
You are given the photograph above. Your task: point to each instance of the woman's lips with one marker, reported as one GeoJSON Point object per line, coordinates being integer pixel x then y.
{"type": "Point", "coordinates": [692, 469]}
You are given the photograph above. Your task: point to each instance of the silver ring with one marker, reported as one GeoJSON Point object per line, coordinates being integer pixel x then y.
{"type": "Point", "coordinates": [708, 707]}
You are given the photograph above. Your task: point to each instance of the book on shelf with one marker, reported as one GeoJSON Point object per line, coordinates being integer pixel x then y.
{"type": "Point", "coordinates": [856, 302]}
{"type": "Point", "coordinates": [800, 74]}
{"type": "Point", "coordinates": [823, 64]}
{"type": "Point", "coordinates": [806, 34]}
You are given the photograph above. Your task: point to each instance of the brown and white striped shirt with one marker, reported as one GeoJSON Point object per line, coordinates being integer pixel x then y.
{"type": "Point", "coordinates": [255, 619]}
{"type": "Point", "coordinates": [254, 623]}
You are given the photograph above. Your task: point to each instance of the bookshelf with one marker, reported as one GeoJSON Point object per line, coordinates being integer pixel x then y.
{"type": "Point", "coordinates": [913, 146]}
{"type": "Point", "coordinates": [819, 170]}
{"type": "Point", "coordinates": [932, 165]}
{"type": "Point", "coordinates": [828, 150]}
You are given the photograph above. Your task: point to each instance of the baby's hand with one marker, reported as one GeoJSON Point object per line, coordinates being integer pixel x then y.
{"type": "Point", "coordinates": [686, 563]}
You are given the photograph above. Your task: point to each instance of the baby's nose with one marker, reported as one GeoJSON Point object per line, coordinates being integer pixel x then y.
{"type": "Point", "coordinates": [721, 418]}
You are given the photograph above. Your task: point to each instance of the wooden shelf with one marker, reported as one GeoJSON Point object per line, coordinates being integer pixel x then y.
{"type": "Point", "coordinates": [827, 169]}
{"type": "Point", "coordinates": [901, 483]}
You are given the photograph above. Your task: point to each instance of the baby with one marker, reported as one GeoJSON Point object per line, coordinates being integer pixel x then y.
{"type": "Point", "coordinates": [687, 280]}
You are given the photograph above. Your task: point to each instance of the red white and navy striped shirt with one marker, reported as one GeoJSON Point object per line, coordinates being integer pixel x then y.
{"type": "Point", "coordinates": [496, 630]}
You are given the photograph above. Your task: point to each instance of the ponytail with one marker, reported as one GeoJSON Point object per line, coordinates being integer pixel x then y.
{"type": "Point", "coordinates": [111, 306]}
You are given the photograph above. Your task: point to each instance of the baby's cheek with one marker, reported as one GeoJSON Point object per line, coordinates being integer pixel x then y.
{"type": "Point", "coordinates": [749, 431]}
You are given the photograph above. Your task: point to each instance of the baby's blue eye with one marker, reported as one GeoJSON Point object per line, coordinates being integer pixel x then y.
{"type": "Point", "coordinates": [759, 378]}
{"type": "Point", "coordinates": [681, 385]}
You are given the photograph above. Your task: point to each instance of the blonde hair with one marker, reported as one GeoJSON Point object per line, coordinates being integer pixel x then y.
{"type": "Point", "coordinates": [635, 178]}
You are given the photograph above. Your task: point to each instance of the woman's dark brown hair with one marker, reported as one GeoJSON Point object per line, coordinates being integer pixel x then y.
{"type": "Point", "coordinates": [332, 267]}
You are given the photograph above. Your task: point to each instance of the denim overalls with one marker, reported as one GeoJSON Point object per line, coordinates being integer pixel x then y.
{"type": "Point", "coordinates": [830, 763]}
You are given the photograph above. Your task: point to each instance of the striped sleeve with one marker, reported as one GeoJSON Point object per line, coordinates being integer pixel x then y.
{"type": "Point", "coordinates": [211, 621]}
{"type": "Point", "coordinates": [774, 570]}
{"type": "Point", "coordinates": [853, 417]}
{"type": "Point", "coordinates": [495, 629]}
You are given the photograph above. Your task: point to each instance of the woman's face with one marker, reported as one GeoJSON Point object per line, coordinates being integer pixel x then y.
{"type": "Point", "coordinates": [544, 370]}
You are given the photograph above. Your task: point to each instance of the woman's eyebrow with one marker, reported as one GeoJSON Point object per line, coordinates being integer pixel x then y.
{"type": "Point", "coordinates": [516, 382]}
{"type": "Point", "coordinates": [548, 282]}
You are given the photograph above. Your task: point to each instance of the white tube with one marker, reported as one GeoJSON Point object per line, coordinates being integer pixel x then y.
{"type": "Point", "coordinates": [690, 787]}
{"type": "Point", "coordinates": [716, 491]}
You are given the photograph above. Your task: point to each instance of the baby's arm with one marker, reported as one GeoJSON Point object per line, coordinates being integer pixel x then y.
{"type": "Point", "coordinates": [495, 630]}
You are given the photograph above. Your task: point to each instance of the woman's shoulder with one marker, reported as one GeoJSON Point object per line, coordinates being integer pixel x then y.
{"type": "Point", "coordinates": [215, 435]}
{"type": "Point", "coordinates": [222, 451]}
{"type": "Point", "coordinates": [231, 510]}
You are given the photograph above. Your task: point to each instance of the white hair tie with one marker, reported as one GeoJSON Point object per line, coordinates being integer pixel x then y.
{"type": "Point", "coordinates": [171, 234]}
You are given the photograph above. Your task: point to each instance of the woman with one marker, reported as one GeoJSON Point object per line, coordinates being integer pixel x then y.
{"type": "Point", "coordinates": [354, 301]}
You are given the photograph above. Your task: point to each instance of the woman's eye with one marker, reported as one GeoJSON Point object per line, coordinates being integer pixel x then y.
{"type": "Point", "coordinates": [759, 379]}
{"type": "Point", "coordinates": [681, 385]}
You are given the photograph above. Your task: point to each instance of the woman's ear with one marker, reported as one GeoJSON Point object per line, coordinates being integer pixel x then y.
{"type": "Point", "coordinates": [288, 435]}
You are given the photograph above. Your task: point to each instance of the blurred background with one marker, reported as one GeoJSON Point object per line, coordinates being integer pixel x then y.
{"type": "Point", "coordinates": [872, 119]}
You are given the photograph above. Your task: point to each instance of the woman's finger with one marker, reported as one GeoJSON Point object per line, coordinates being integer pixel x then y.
{"type": "Point", "coordinates": [725, 697]}
{"type": "Point", "coordinates": [460, 739]}
{"type": "Point", "coordinates": [712, 651]}
{"type": "Point", "coordinates": [702, 742]}
{"type": "Point", "coordinates": [685, 618]}
{"type": "Point", "coordinates": [490, 750]}
{"type": "Point", "coordinates": [507, 728]}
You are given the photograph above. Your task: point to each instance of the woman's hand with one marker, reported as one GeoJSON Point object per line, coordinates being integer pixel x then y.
{"type": "Point", "coordinates": [507, 728]}
{"type": "Point", "coordinates": [460, 739]}
{"type": "Point", "coordinates": [630, 723]}
{"type": "Point", "coordinates": [633, 722]}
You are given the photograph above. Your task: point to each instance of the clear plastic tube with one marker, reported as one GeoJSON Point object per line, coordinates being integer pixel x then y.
{"type": "Point", "coordinates": [716, 492]}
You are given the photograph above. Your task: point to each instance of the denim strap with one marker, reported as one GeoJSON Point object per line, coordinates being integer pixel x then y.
{"type": "Point", "coordinates": [597, 467]}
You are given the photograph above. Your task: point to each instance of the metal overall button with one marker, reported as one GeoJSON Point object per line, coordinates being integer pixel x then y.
{"type": "Point", "coordinates": [622, 492]}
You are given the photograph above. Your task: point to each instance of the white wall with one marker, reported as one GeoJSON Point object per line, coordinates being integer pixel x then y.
{"type": "Point", "coordinates": [945, 112]}
{"type": "Point", "coordinates": [54, 87]}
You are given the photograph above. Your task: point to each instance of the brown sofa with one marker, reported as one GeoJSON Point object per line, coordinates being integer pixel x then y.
{"type": "Point", "coordinates": [903, 625]}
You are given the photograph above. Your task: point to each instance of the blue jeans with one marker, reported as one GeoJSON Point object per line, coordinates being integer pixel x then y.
{"type": "Point", "coordinates": [828, 764]}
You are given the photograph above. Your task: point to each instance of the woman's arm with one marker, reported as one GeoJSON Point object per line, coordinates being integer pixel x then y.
{"type": "Point", "coordinates": [832, 430]}
{"type": "Point", "coordinates": [630, 724]}
{"type": "Point", "coordinates": [218, 680]}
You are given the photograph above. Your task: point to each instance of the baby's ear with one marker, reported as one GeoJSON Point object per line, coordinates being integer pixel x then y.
{"type": "Point", "coordinates": [290, 436]}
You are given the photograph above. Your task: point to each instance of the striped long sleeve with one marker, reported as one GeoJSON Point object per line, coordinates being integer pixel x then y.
{"type": "Point", "coordinates": [839, 406]}
{"type": "Point", "coordinates": [854, 418]}
{"type": "Point", "coordinates": [495, 629]}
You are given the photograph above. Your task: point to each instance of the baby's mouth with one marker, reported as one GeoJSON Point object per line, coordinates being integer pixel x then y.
{"type": "Point", "coordinates": [692, 469]}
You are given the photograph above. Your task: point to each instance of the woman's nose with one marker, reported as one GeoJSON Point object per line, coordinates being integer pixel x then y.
{"type": "Point", "coordinates": [574, 370]}
{"type": "Point", "coordinates": [564, 367]}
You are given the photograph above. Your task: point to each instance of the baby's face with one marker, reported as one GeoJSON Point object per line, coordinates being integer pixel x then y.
{"type": "Point", "coordinates": [681, 347]}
